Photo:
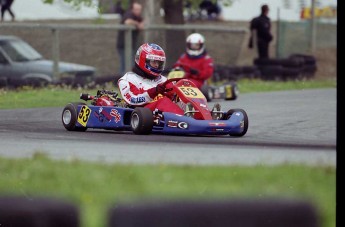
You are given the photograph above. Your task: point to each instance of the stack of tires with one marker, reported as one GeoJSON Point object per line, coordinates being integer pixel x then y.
{"type": "Point", "coordinates": [234, 73]}
{"type": "Point", "coordinates": [295, 67]}
{"type": "Point", "coordinates": [309, 67]}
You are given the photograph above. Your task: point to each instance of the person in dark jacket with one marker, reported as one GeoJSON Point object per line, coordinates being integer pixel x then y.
{"type": "Point", "coordinates": [131, 17]}
{"type": "Point", "coordinates": [261, 26]}
{"type": "Point", "coordinates": [6, 6]}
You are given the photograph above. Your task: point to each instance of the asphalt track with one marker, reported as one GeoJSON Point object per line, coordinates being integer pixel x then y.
{"type": "Point", "coordinates": [284, 127]}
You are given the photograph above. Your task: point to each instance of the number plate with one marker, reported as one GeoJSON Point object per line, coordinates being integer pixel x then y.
{"type": "Point", "coordinates": [84, 115]}
{"type": "Point", "coordinates": [175, 74]}
{"type": "Point", "coordinates": [191, 92]}
{"type": "Point", "coordinates": [228, 93]}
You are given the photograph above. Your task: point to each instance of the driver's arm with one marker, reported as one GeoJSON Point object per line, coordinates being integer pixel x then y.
{"type": "Point", "coordinates": [207, 69]}
{"type": "Point", "coordinates": [132, 94]}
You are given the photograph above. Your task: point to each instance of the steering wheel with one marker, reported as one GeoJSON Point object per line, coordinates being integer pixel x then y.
{"type": "Point", "coordinates": [167, 82]}
{"type": "Point", "coordinates": [171, 80]}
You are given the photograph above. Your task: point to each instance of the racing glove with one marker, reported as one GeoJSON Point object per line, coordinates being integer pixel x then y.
{"type": "Point", "coordinates": [193, 71]}
{"type": "Point", "coordinates": [153, 92]}
{"type": "Point", "coordinates": [160, 89]}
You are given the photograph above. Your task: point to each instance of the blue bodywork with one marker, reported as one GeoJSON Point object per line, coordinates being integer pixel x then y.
{"type": "Point", "coordinates": [118, 118]}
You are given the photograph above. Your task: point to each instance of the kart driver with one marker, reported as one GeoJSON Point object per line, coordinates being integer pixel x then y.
{"type": "Point", "coordinates": [142, 85]}
{"type": "Point", "coordinates": [196, 63]}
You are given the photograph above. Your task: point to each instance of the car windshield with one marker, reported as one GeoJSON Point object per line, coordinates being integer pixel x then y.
{"type": "Point", "coordinates": [19, 51]}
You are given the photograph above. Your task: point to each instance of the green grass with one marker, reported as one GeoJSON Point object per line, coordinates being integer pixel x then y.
{"type": "Point", "coordinates": [93, 187]}
{"type": "Point", "coordinates": [58, 97]}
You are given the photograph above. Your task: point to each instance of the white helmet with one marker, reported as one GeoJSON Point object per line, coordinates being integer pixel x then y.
{"type": "Point", "coordinates": [195, 44]}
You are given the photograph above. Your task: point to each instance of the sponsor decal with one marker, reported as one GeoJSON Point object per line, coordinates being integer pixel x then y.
{"type": "Point", "coordinates": [217, 129]}
{"type": "Point", "coordinates": [84, 115]}
{"type": "Point", "coordinates": [237, 114]}
{"type": "Point", "coordinates": [105, 114]}
{"type": "Point", "coordinates": [182, 125]}
{"type": "Point", "coordinates": [124, 88]}
{"type": "Point", "coordinates": [147, 48]}
{"type": "Point", "coordinates": [241, 124]}
{"type": "Point", "coordinates": [202, 105]}
{"type": "Point", "coordinates": [116, 115]}
{"type": "Point", "coordinates": [99, 116]}
{"type": "Point", "coordinates": [320, 12]}
{"type": "Point", "coordinates": [127, 96]}
{"type": "Point", "coordinates": [176, 124]}
{"type": "Point", "coordinates": [172, 124]}
{"type": "Point", "coordinates": [155, 57]}
{"type": "Point", "coordinates": [137, 99]}
{"type": "Point", "coordinates": [217, 124]}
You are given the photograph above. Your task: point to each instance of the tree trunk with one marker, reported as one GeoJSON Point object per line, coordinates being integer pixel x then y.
{"type": "Point", "coordinates": [174, 39]}
{"type": "Point", "coordinates": [152, 16]}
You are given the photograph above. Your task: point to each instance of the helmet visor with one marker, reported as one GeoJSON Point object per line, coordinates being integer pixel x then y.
{"type": "Point", "coordinates": [155, 62]}
{"type": "Point", "coordinates": [194, 46]}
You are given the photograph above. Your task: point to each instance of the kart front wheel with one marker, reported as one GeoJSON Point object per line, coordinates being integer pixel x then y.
{"type": "Point", "coordinates": [141, 121]}
{"type": "Point", "coordinates": [244, 123]}
{"type": "Point", "coordinates": [69, 117]}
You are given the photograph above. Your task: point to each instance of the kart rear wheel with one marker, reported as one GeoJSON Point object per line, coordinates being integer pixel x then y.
{"type": "Point", "coordinates": [69, 117]}
{"type": "Point", "coordinates": [245, 122]}
{"type": "Point", "coordinates": [141, 121]}
{"type": "Point", "coordinates": [231, 91]}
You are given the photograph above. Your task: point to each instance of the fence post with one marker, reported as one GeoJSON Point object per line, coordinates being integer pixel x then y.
{"type": "Point", "coordinates": [56, 53]}
{"type": "Point", "coordinates": [277, 35]}
{"type": "Point", "coordinates": [313, 28]}
{"type": "Point", "coordinates": [128, 49]}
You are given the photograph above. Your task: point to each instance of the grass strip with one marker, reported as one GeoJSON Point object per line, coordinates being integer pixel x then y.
{"type": "Point", "coordinates": [59, 96]}
{"type": "Point", "coordinates": [96, 186]}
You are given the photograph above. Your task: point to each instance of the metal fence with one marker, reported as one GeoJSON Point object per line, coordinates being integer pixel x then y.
{"type": "Point", "coordinates": [96, 44]}
{"type": "Point", "coordinates": [295, 37]}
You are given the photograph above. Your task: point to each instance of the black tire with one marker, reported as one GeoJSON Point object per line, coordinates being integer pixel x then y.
{"type": "Point", "coordinates": [306, 59]}
{"type": "Point", "coordinates": [3, 82]}
{"type": "Point", "coordinates": [308, 71]}
{"type": "Point", "coordinates": [291, 73]}
{"type": "Point", "coordinates": [207, 92]}
{"type": "Point", "coordinates": [36, 82]}
{"type": "Point", "coordinates": [141, 121]}
{"type": "Point", "coordinates": [69, 117]}
{"type": "Point", "coordinates": [245, 122]}
{"type": "Point", "coordinates": [273, 72]}
{"type": "Point", "coordinates": [231, 91]}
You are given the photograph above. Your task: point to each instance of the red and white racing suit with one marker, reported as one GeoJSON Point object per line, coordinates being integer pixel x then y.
{"type": "Point", "coordinates": [204, 64]}
{"type": "Point", "coordinates": [139, 91]}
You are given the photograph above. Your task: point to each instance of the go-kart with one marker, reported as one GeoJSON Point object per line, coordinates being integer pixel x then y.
{"type": "Point", "coordinates": [108, 111]}
{"type": "Point", "coordinates": [226, 91]}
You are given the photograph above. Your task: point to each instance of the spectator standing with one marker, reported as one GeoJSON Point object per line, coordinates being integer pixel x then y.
{"type": "Point", "coordinates": [6, 6]}
{"type": "Point", "coordinates": [261, 26]}
{"type": "Point", "coordinates": [131, 17]}
{"type": "Point", "coordinates": [212, 8]}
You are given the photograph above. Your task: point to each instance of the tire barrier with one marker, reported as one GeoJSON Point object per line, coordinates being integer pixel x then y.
{"type": "Point", "coordinates": [37, 212]}
{"type": "Point", "coordinates": [234, 73]}
{"type": "Point", "coordinates": [295, 67]}
{"type": "Point", "coordinates": [234, 213]}
{"type": "Point", "coordinates": [19, 211]}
